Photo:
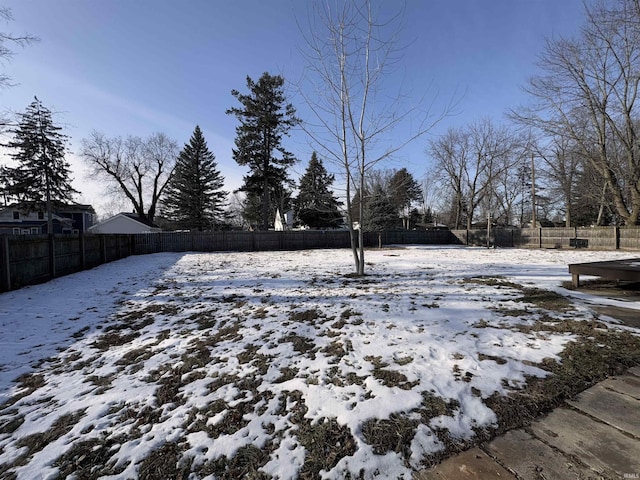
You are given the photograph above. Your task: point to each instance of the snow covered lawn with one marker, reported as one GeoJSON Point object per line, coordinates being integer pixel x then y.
{"type": "Point", "coordinates": [276, 364]}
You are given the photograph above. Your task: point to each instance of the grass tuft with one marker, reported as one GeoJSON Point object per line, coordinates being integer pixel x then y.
{"type": "Point", "coordinates": [165, 462]}
{"type": "Point", "coordinates": [244, 464]}
{"type": "Point", "coordinates": [390, 435]}
{"type": "Point", "coordinates": [326, 442]}
{"type": "Point", "coordinates": [37, 441]}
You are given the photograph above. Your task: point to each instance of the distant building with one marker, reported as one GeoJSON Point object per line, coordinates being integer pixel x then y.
{"type": "Point", "coordinates": [283, 223]}
{"type": "Point", "coordinates": [433, 226]}
{"type": "Point", "coordinates": [23, 219]}
{"type": "Point", "coordinates": [125, 223]}
{"type": "Point", "coordinates": [83, 216]}
{"type": "Point", "coordinates": [541, 223]}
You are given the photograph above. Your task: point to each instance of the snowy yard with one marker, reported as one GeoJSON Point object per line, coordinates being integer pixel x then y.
{"type": "Point", "coordinates": [279, 364]}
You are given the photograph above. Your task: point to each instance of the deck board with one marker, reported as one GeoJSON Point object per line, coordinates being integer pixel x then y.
{"type": "Point", "coordinates": [626, 269]}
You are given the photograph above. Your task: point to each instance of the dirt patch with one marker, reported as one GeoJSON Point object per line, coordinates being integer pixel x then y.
{"type": "Point", "coordinates": [628, 292]}
{"type": "Point", "coordinates": [630, 317]}
{"type": "Point", "coordinates": [610, 288]}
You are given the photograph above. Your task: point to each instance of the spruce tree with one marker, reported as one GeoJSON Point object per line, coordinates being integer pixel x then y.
{"type": "Point", "coordinates": [379, 213]}
{"type": "Point", "coordinates": [265, 117]}
{"type": "Point", "coordinates": [194, 199]}
{"type": "Point", "coordinates": [41, 177]}
{"type": "Point", "coordinates": [315, 206]}
{"type": "Point", "coordinates": [403, 191]}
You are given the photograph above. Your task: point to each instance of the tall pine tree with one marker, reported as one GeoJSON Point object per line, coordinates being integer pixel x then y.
{"type": "Point", "coordinates": [194, 199]}
{"type": "Point", "coordinates": [265, 117]}
{"type": "Point", "coordinates": [379, 213]}
{"type": "Point", "coordinates": [403, 190]}
{"type": "Point", "coordinates": [42, 175]}
{"type": "Point", "coordinates": [315, 206]}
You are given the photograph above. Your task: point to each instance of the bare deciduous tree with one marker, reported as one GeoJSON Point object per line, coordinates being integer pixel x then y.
{"type": "Point", "coordinates": [449, 153]}
{"type": "Point", "coordinates": [506, 189]}
{"type": "Point", "coordinates": [588, 92]}
{"type": "Point", "coordinates": [469, 160]}
{"type": "Point", "coordinates": [350, 54]}
{"type": "Point", "coordinates": [7, 41]}
{"type": "Point", "coordinates": [561, 168]}
{"type": "Point", "coordinates": [138, 168]}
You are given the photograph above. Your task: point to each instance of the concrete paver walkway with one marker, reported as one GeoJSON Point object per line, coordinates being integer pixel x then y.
{"type": "Point", "coordinates": [595, 436]}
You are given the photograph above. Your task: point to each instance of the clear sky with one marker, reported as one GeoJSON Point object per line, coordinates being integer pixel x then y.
{"type": "Point", "coordinates": [135, 67]}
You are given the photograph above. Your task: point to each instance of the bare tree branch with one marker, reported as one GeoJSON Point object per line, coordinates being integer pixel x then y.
{"type": "Point", "coordinates": [350, 55]}
{"type": "Point", "coordinates": [140, 168]}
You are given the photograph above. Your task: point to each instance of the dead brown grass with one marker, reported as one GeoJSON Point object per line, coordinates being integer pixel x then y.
{"type": "Point", "coordinates": [165, 462]}
{"type": "Point", "coordinates": [390, 435]}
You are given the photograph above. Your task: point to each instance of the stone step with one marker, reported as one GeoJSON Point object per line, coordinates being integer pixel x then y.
{"type": "Point", "coordinates": [616, 409]}
{"type": "Point", "coordinates": [627, 384]}
{"type": "Point", "coordinates": [531, 459]}
{"type": "Point", "coordinates": [472, 464]}
{"type": "Point", "coordinates": [604, 449]}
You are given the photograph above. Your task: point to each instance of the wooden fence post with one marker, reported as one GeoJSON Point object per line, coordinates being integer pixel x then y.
{"type": "Point", "coordinates": [539, 237]}
{"type": "Point", "coordinates": [103, 249]}
{"type": "Point", "coordinates": [5, 268]}
{"type": "Point", "coordinates": [83, 257]}
{"type": "Point", "coordinates": [52, 256]}
{"type": "Point", "coordinates": [132, 244]}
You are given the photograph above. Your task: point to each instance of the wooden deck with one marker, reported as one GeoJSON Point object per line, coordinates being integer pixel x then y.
{"type": "Point", "coordinates": [627, 270]}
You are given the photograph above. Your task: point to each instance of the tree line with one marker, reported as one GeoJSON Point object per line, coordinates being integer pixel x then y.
{"type": "Point", "coordinates": [571, 154]}
{"type": "Point", "coordinates": [184, 190]}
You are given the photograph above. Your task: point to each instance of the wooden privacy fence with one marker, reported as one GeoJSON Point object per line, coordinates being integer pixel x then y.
{"type": "Point", "coordinates": [29, 259]}
{"type": "Point", "coordinates": [270, 240]}
{"type": "Point", "coordinates": [594, 238]}
{"type": "Point", "coordinates": [243, 241]}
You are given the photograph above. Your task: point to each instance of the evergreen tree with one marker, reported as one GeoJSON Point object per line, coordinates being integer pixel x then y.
{"type": "Point", "coordinates": [194, 199]}
{"type": "Point", "coordinates": [279, 195]}
{"type": "Point", "coordinates": [379, 213]}
{"type": "Point", "coordinates": [42, 175]}
{"type": "Point", "coordinates": [265, 118]}
{"type": "Point", "coordinates": [315, 206]}
{"type": "Point", "coordinates": [403, 191]}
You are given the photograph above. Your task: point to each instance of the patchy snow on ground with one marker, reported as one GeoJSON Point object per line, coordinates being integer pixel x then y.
{"type": "Point", "coordinates": [263, 357]}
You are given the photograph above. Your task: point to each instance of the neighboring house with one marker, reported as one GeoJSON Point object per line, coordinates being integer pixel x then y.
{"type": "Point", "coordinates": [283, 223]}
{"type": "Point", "coordinates": [125, 223]}
{"type": "Point", "coordinates": [19, 219]}
{"type": "Point", "coordinates": [543, 223]}
{"type": "Point", "coordinates": [83, 216]}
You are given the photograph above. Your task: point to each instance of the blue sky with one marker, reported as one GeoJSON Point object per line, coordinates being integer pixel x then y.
{"type": "Point", "coordinates": [143, 66]}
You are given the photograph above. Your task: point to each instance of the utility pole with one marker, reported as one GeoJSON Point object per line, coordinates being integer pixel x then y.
{"type": "Point", "coordinates": [534, 222]}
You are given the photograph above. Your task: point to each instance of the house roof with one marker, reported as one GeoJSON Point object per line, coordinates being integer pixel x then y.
{"type": "Point", "coordinates": [70, 207]}
{"type": "Point", "coordinates": [132, 217]}
{"type": "Point", "coordinates": [136, 217]}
